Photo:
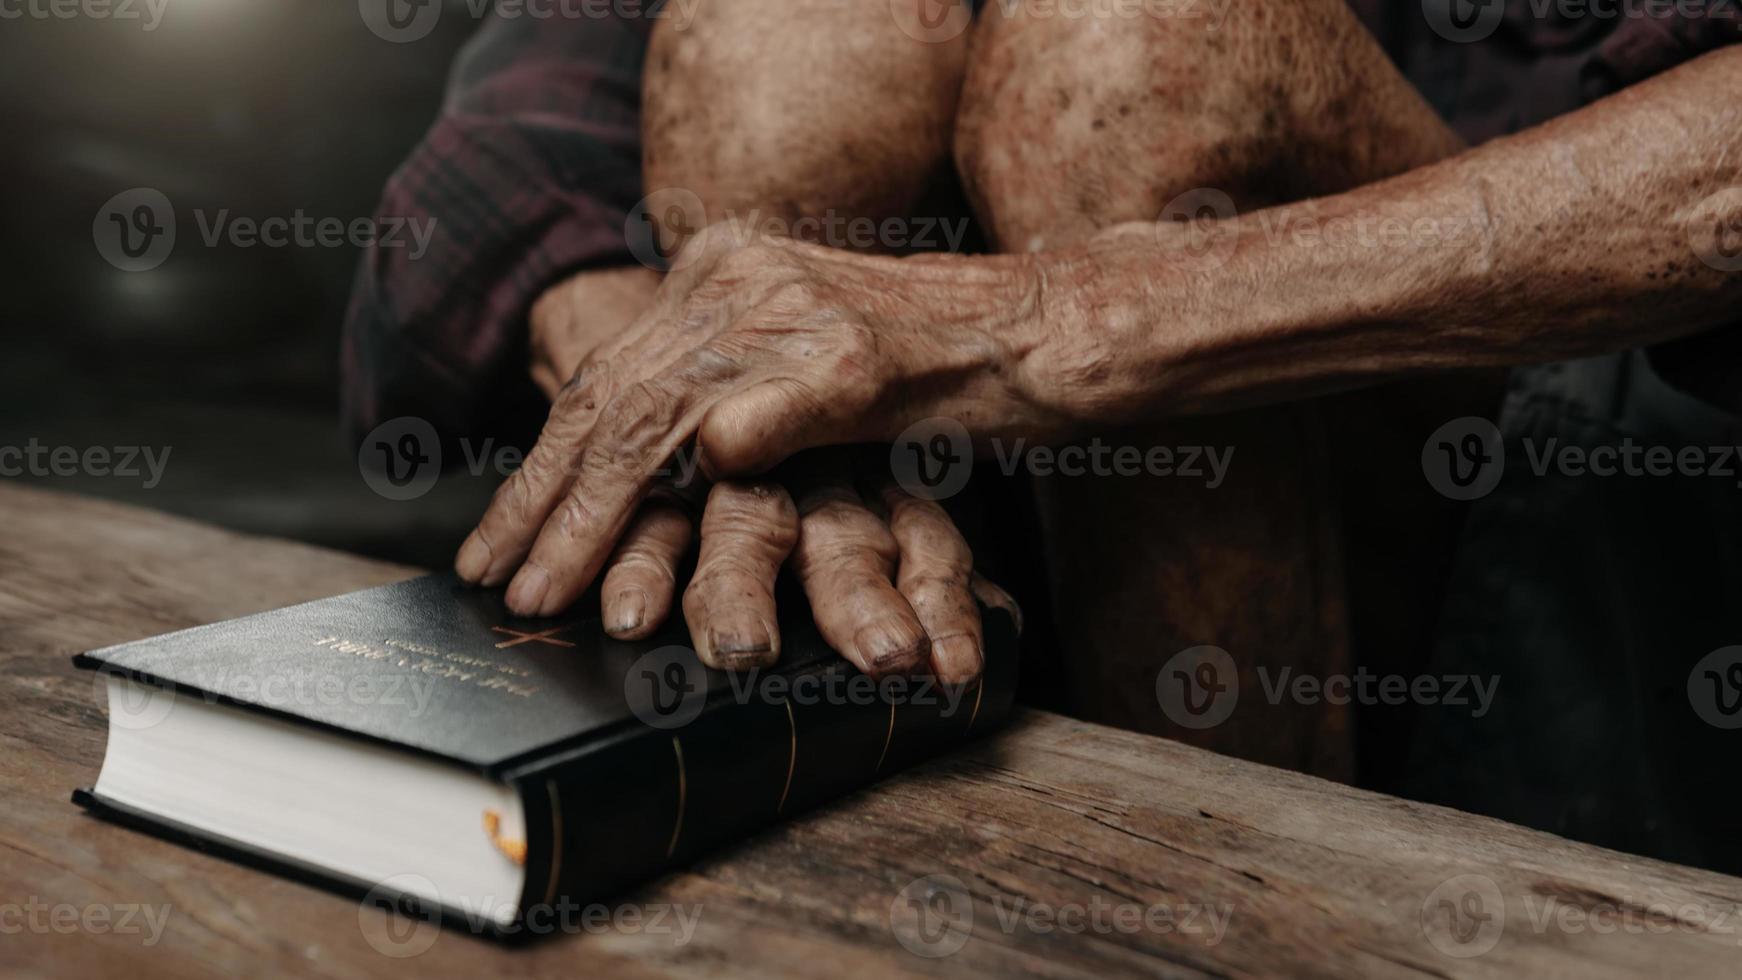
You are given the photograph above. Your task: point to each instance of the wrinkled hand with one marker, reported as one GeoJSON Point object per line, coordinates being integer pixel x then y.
{"type": "Point", "coordinates": [754, 352]}
{"type": "Point", "coordinates": [575, 317]}
{"type": "Point", "coordinates": [889, 576]}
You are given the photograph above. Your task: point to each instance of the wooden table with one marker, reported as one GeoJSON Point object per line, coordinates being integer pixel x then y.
{"type": "Point", "coordinates": [1058, 848]}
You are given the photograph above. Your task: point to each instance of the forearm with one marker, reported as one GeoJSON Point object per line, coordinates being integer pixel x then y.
{"type": "Point", "coordinates": [1610, 227]}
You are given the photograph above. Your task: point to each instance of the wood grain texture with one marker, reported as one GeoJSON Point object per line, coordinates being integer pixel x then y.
{"type": "Point", "coordinates": [1310, 878]}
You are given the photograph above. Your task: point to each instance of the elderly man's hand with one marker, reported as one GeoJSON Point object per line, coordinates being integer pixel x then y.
{"type": "Point", "coordinates": [890, 578]}
{"type": "Point", "coordinates": [755, 352]}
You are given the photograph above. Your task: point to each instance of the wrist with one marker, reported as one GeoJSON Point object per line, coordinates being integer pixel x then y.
{"type": "Point", "coordinates": [1105, 333]}
{"type": "Point", "coordinates": [973, 323]}
{"type": "Point", "coordinates": [1146, 320]}
{"type": "Point", "coordinates": [577, 316]}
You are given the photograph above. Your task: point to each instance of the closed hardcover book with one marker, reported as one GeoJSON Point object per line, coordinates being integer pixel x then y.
{"type": "Point", "coordinates": [418, 744]}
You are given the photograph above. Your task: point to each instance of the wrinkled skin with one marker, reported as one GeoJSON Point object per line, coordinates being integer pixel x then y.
{"type": "Point", "coordinates": [700, 339]}
{"type": "Point", "coordinates": [1067, 129]}
{"type": "Point", "coordinates": [889, 576]}
{"type": "Point", "coordinates": [757, 351]}
{"type": "Point", "coordinates": [577, 315]}
{"type": "Point", "coordinates": [892, 586]}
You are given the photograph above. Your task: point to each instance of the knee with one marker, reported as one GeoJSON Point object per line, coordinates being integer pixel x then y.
{"type": "Point", "coordinates": [795, 108]}
{"type": "Point", "coordinates": [1076, 115]}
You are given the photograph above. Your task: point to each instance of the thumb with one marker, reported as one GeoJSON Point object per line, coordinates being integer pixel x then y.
{"type": "Point", "coordinates": [751, 432]}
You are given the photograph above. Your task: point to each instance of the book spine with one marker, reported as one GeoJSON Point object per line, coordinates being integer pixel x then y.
{"type": "Point", "coordinates": [604, 819]}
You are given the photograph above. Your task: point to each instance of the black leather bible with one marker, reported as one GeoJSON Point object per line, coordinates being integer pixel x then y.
{"type": "Point", "coordinates": [418, 745]}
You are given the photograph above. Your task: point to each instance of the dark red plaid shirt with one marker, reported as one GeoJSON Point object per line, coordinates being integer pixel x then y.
{"type": "Point", "coordinates": [529, 174]}
{"type": "Point", "coordinates": [535, 162]}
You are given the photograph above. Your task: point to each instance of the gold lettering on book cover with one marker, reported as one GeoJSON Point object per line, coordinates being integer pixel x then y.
{"type": "Point", "coordinates": [440, 664]}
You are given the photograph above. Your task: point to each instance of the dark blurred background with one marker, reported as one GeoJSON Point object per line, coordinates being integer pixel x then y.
{"type": "Point", "coordinates": [228, 356]}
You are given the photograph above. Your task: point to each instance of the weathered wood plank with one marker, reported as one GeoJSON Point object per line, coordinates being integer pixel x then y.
{"type": "Point", "coordinates": [1257, 871]}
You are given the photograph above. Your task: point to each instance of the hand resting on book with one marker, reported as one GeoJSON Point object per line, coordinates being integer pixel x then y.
{"type": "Point", "coordinates": [889, 577]}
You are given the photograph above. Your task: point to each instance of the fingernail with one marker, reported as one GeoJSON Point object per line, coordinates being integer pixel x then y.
{"type": "Point", "coordinates": [890, 648]}
{"type": "Point", "coordinates": [526, 592]}
{"type": "Point", "coordinates": [957, 659]}
{"type": "Point", "coordinates": [498, 571]}
{"type": "Point", "coordinates": [474, 558]}
{"type": "Point", "coordinates": [741, 639]}
{"type": "Point", "coordinates": [629, 609]}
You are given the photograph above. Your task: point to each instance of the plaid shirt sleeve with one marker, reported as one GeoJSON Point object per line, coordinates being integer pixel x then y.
{"type": "Point", "coordinates": [528, 174]}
